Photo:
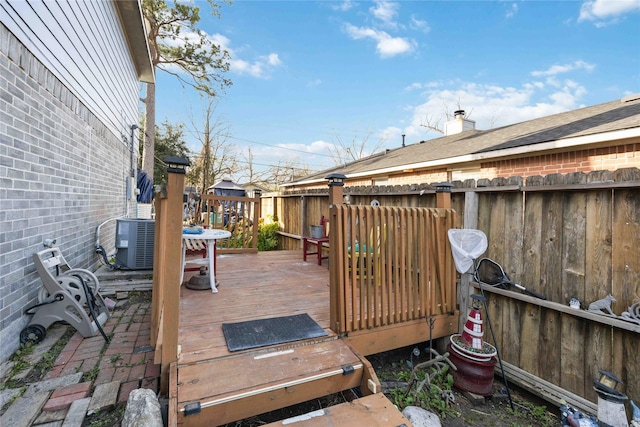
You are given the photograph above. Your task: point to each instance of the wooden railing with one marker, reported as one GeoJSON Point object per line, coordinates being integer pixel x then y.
{"type": "Point", "coordinates": [239, 215]}
{"type": "Point", "coordinates": [391, 265]}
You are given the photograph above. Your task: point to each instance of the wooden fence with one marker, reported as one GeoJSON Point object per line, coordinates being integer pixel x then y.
{"type": "Point", "coordinates": [574, 235]}
{"type": "Point", "coordinates": [394, 265]}
{"type": "Point", "coordinates": [565, 236]}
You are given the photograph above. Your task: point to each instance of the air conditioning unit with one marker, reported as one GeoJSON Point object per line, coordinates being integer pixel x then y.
{"type": "Point", "coordinates": [134, 243]}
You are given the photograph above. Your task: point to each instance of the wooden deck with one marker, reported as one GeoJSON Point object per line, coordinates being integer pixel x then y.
{"type": "Point", "coordinates": [264, 285]}
{"type": "Point", "coordinates": [226, 386]}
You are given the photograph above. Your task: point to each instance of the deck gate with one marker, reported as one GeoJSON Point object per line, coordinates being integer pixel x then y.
{"type": "Point", "coordinates": [392, 264]}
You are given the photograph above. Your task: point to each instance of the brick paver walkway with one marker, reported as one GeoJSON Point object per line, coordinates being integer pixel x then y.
{"type": "Point", "coordinates": [92, 373]}
{"type": "Point", "coordinates": [128, 358]}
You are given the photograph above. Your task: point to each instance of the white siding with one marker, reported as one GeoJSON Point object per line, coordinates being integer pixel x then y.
{"type": "Point", "coordinates": [83, 44]}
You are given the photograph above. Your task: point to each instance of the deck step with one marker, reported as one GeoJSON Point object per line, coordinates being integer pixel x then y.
{"type": "Point", "coordinates": [372, 411]}
{"type": "Point", "coordinates": [221, 391]}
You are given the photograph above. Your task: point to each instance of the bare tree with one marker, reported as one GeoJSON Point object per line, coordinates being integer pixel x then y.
{"type": "Point", "coordinates": [285, 171]}
{"type": "Point", "coordinates": [249, 173]}
{"type": "Point", "coordinates": [357, 149]}
{"type": "Point", "coordinates": [432, 121]}
{"type": "Point", "coordinates": [217, 158]}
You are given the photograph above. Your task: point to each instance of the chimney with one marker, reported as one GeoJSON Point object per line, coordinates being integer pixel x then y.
{"type": "Point", "coordinates": [459, 124]}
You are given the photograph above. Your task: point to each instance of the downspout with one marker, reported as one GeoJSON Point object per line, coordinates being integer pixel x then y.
{"type": "Point", "coordinates": [132, 173]}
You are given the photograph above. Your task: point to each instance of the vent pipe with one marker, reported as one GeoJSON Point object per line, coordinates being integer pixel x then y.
{"type": "Point", "coordinates": [403, 135]}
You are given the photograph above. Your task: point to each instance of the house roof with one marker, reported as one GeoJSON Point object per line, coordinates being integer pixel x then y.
{"type": "Point", "coordinates": [226, 184]}
{"type": "Point", "coordinates": [615, 120]}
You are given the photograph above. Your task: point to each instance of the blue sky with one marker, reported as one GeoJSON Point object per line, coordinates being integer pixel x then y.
{"type": "Point", "coordinates": [308, 75]}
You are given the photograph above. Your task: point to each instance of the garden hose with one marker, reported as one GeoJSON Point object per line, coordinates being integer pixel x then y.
{"type": "Point", "coordinates": [91, 299]}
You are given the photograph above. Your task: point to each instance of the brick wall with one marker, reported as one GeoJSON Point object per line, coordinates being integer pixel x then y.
{"type": "Point", "coordinates": [607, 158]}
{"type": "Point", "coordinates": [62, 173]}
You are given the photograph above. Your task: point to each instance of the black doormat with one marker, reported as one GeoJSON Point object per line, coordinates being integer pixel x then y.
{"type": "Point", "coordinates": [265, 332]}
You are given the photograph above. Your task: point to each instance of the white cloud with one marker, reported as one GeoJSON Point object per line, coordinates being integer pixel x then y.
{"type": "Point", "coordinates": [273, 59]}
{"type": "Point", "coordinates": [221, 41]}
{"type": "Point", "coordinates": [385, 11]}
{"type": "Point", "coordinates": [260, 67]}
{"type": "Point", "coordinates": [605, 12]}
{"type": "Point", "coordinates": [320, 146]}
{"type": "Point", "coordinates": [413, 86]}
{"type": "Point", "coordinates": [386, 45]}
{"type": "Point", "coordinates": [511, 12]}
{"type": "Point", "coordinates": [314, 83]}
{"type": "Point", "coordinates": [343, 6]}
{"type": "Point", "coordinates": [418, 24]}
{"type": "Point", "coordinates": [492, 106]}
{"type": "Point", "coordinates": [392, 135]}
{"type": "Point", "coordinates": [419, 86]}
{"type": "Point", "coordinates": [564, 68]}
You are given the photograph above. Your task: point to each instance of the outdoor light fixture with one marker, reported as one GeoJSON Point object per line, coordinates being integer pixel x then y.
{"type": "Point", "coordinates": [336, 179]}
{"type": "Point", "coordinates": [477, 301]}
{"type": "Point", "coordinates": [176, 164]}
{"type": "Point", "coordinates": [608, 380]}
{"type": "Point", "coordinates": [257, 192]}
{"type": "Point", "coordinates": [443, 187]}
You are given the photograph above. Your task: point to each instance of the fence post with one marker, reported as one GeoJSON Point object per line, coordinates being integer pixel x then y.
{"type": "Point", "coordinates": [257, 194]}
{"type": "Point", "coordinates": [336, 182]}
{"type": "Point", "coordinates": [465, 290]}
{"type": "Point", "coordinates": [172, 259]}
{"type": "Point", "coordinates": [443, 195]}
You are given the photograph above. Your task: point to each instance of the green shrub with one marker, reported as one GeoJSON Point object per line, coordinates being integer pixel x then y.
{"type": "Point", "coordinates": [268, 235]}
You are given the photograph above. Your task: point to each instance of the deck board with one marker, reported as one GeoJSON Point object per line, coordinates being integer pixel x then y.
{"type": "Point", "coordinates": [267, 284]}
{"type": "Point", "coordinates": [371, 411]}
{"type": "Point", "coordinates": [275, 368]}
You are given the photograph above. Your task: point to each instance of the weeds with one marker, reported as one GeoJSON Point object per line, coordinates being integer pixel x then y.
{"type": "Point", "coordinates": [91, 375]}
{"type": "Point", "coordinates": [105, 418]}
{"type": "Point", "coordinates": [13, 397]}
{"type": "Point", "coordinates": [528, 414]}
{"type": "Point", "coordinates": [19, 358]}
{"type": "Point", "coordinates": [431, 391]}
{"type": "Point", "coordinates": [116, 357]}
